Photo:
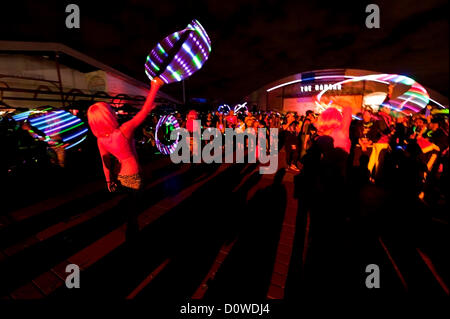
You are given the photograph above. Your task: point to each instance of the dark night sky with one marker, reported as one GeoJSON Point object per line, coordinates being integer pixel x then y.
{"type": "Point", "coordinates": [253, 42]}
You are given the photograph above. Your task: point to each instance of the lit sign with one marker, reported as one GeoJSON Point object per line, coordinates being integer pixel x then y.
{"type": "Point", "coordinates": [320, 87]}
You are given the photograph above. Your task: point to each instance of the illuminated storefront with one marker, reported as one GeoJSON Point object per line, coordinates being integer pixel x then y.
{"type": "Point", "coordinates": [358, 88]}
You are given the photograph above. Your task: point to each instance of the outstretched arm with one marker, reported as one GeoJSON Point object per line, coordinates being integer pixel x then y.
{"type": "Point", "coordinates": [128, 127]}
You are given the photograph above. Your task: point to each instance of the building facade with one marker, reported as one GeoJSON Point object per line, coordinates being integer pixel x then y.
{"type": "Point", "coordinates": [308, 90]}
{"type": "Point", "coordinates": [34, 74]}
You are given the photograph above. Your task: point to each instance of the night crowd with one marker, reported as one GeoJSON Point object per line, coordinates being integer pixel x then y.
{"type": "Point", "coordinates": [382, 142]}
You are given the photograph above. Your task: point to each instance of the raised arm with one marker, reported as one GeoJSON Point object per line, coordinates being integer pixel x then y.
{"type": "Point", "coordinates": [128, 127]}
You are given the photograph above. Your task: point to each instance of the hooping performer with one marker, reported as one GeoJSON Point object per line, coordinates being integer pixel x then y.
{"type": "Point", "coordinates": [119, 142]}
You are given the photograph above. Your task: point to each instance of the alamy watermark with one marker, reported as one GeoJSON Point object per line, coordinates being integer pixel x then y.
{"type": "Point", "coordinates": [373, 19]}
{"type": "Point", "coordinates": [212, 152]}
{"type": "Point", "coordinates": [73, 19]}
{"type": "Point", "coordinates": [73, 279]}
{"type": "Point", "coordinates": [373, 279]}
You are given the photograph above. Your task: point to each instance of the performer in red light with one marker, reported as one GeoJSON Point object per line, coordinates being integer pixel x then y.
{"type": "Point", "coordinates": [118, 141]}
{"type": "Point", "coordinates": [231, 120]}
{"type": "Point", "coordinates": [336, 125]}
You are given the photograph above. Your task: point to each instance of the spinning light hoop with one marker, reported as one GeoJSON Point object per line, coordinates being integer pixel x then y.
{"type": "Point", "coordinates": [240, 107]}
{"type": "Point", "coordinates": [70, 129]}
{"type": "Point", "coordinates": [166, 120]}
{"type": "Point", "coordinates": [224, 109]}
{"type": "Point", "coordinates": [415, 99]}
{"type": "Point", "coordinates": [179, 55]}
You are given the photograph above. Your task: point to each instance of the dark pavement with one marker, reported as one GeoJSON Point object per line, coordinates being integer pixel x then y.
{"type": "Point", "coordinates": [213, 232]}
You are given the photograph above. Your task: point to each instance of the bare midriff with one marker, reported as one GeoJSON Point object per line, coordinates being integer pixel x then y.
{"type": "Point", "coordinates": [129, 166]}
{"type": "Point", "coordinates": [124, 150]}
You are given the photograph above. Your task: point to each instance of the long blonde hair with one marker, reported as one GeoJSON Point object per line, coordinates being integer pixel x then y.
{"type": "Point", "coordinates": [102, 119]}
{"type": "Point", "coordinates": [329, 120]}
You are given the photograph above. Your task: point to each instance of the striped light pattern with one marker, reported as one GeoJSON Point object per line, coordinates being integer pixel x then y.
{"type": "Point", "coordinates": [179, 55]}
{"type": "Point", "coordinates": [166, 120]}
{"type": "Point", "coordinates": [413, 100]}
{"type": "Point", "coordinates": [24, 115]}
{"type": "Point", "coordinates": [21, 116]}
{"type": "Point", "coordinates": [52, 123]}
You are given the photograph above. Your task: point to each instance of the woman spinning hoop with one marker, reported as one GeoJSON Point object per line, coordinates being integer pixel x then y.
{"type": "Point", "coordinates": [118, 141]}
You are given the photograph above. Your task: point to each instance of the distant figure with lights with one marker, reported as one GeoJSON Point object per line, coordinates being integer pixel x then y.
{"type": "Point", "coordinates": [231, 120]}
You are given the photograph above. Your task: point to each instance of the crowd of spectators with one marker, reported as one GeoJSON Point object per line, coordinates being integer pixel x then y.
{"type": "Point", "coordinates": [381, 141]}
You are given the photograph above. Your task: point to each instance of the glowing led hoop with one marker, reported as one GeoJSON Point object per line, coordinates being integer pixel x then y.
{"type": "Point", "coordinates": [179, 55]}
{"type": "Point", "coordinates": [21, 116]}
{"type": "Point", "coordinates": [52, 123]}
{"type": "Point", "coordinates": [24, 115]}
{"type": "Point", "coordinates": [415, 99]}
{"type": "Point", "coordinates": [224, 109]}
{"type": "Point", "coordinates": [166, 120]}
{"type": "Point", "coordinates": [241, 108]}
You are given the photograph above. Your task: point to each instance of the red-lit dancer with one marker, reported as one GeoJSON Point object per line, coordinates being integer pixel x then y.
{"type": "Point", "coordinates": [118, 141]}
{"type": "Point", "coordinates": [336, 125]}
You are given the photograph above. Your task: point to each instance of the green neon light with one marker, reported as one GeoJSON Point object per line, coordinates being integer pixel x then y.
{"type": "Point", "coordinates": [176, 76]}
{"type": "Point", "coordinates": [417, 95]}
{"type": "Point", "coordinates": [67, 129]}
{"type": "Point", "coordinates": [197, 61]}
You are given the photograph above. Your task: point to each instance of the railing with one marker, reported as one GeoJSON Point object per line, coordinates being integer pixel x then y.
{"type": "Point", "coordinates": [65, 97]}
{"type": "Point", "coordinates": [72, 95]}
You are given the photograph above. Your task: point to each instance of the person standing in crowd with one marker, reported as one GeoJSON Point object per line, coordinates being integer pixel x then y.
{"type": "Point", "coordinates": [118, 141]}
{"type": "Point", "coordinates": [240, 129]}
{"type": "Point", "coordinates": [291, 142]}
{"type": "Point", "coordinates": [400, 136]}
{"type": "Point", "coordinates": [336, 125]}
{"type": "Point", "coordinates": [179, 119]}
{"type": "Point", "coordinates": [321, 185]}
{"type": "Point", "coordinates": [436, 134]}
{"type": "Point", "coordinates": [275, 121]}
{"type": "Point", "coordinates": [418, 129]}
{"type": "Point", "coordinates": [385, 129]}
{"type": "Point", "coordinates": [220, 124]}
{"type": "Point", "coordinates": [307, 131]}
{"type": "Point", "coordinates": [256, 126]}
{"type": "Point", "coordinates": [325, 162]}
{"type": "Point", "coordinates": [190, 118]}
{"type": "Point", "coordinates": [249, 120]}
{"type": "Point", "coordinates": [231, 120]}
{"type": "Point", "coordinates": [432, 143]}
{"type": "Point", "coordinates": [209, 121]}
{"type": "Point", "coordinates": [366, 133]}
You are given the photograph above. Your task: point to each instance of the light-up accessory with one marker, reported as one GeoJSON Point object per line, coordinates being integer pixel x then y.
{"type": "Point", "coordinates": [179, 55]}
{"type": "Point", "coordinates": [58, 127]}
{"type": "Point", "coordinates": [164, 127]}
{"type": "Point", "coordinates": [224, 109]}
{"type": "Point", "coordinates": [24, 115]}
{"type": "Point", "coordinates": [413, 100]}
{"type": "Point", "coordinates": [21, 116]}
{"type": "Point", "coordinates": [241, 108]}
